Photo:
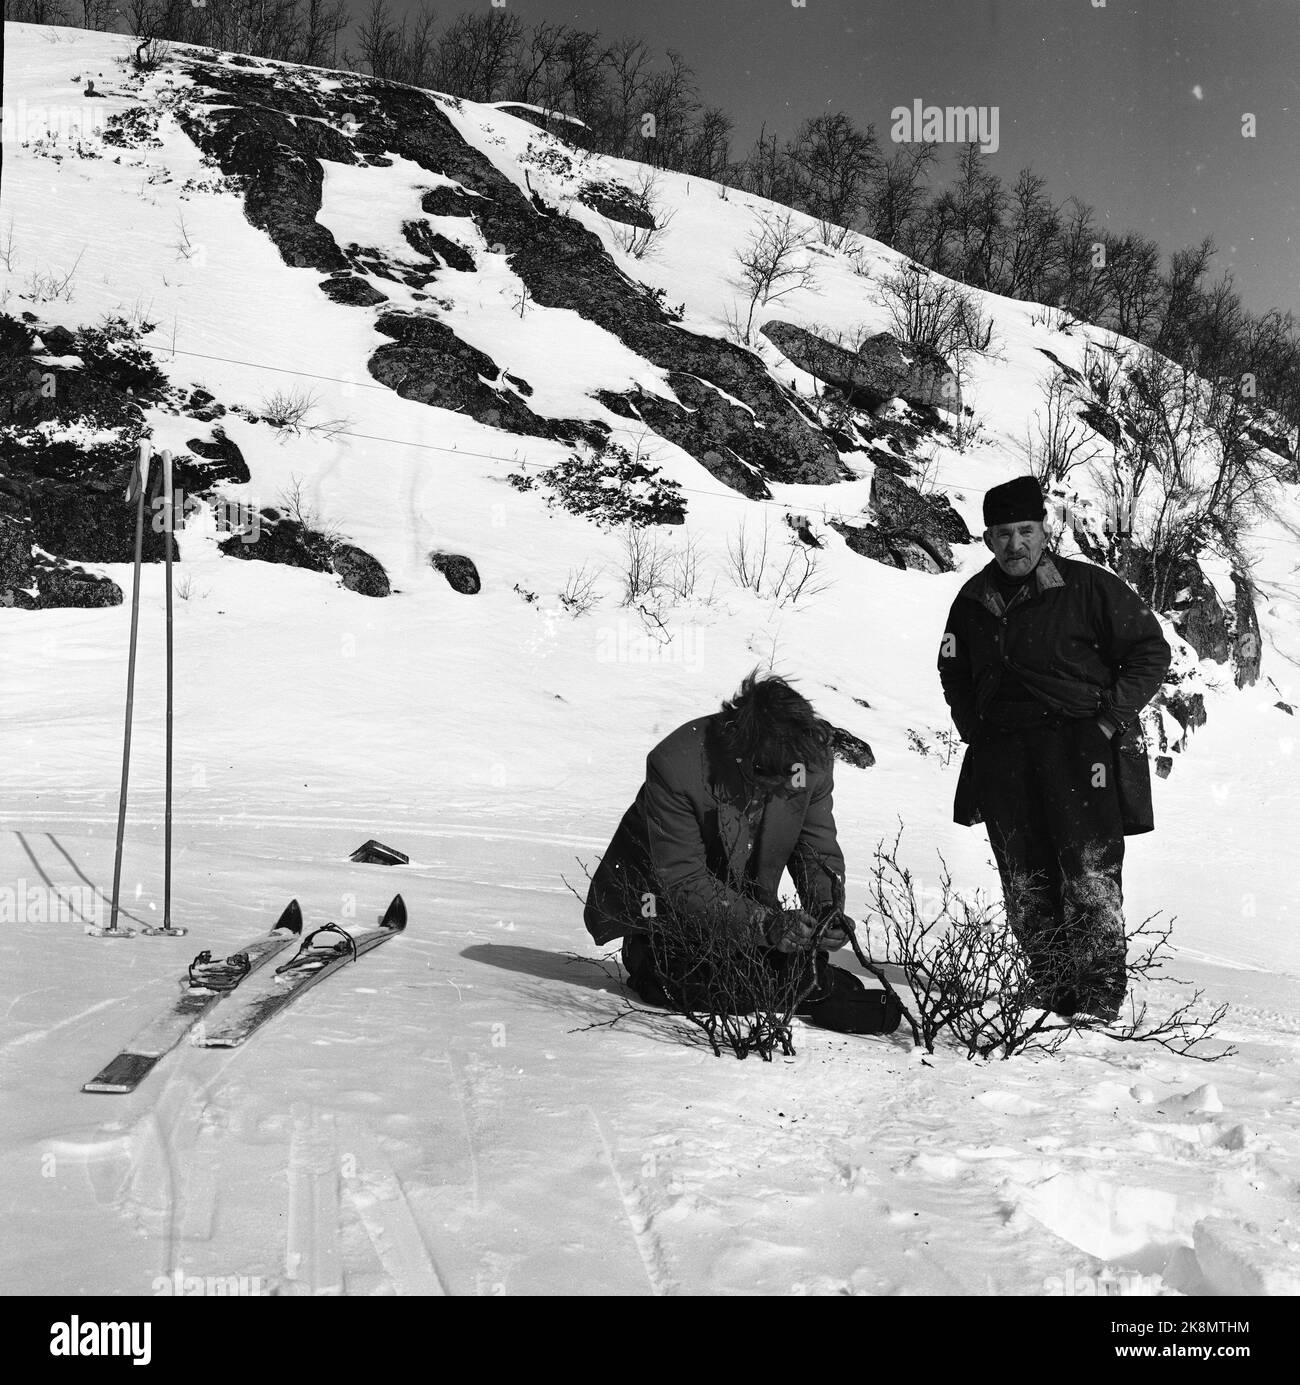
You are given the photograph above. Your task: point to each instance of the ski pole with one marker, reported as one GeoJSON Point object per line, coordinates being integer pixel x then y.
{"type": "Point", "coordinates": [139, 484]}
{"type": "Point", "coordinates": [169, 529]}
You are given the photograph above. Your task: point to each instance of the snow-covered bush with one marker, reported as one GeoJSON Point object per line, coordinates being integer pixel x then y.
{"type": "Point", "coordinates": [609, 486]}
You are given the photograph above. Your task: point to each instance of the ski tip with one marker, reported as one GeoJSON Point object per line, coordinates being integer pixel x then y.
{"type": "Point", "coordinates": [395, 915]}
{"type": "Point", "coordinates": [291, 919]}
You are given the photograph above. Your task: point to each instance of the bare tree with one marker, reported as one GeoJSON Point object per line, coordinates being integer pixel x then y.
{"type": "Point", "coordinates": [834, 164]}
{"type": "Point", "coordinates": [935, 313]}
{"type": "Point", "coordinates": [767, 171]}
{"type": "Point", "coordinates": [1031, 246]}
{"type": "Point", "coordinates": [898, 192]}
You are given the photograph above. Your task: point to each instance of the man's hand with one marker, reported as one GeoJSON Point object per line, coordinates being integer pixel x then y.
{"type": "Point", "coordinates": [837, 935]}
{"type": "Point", "coordinates": [790, 930]}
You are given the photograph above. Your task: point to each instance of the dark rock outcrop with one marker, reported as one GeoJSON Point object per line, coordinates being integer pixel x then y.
{"type": "Point", "coordinates": [254, 128]}
{"type": "Point", "coordinates": [911, 530]}
{"type": "Point", "coordinates": [204, 406]}
{"type": "Point", "coordinates": [58, 341]}
{"type": "Point", "coordinates": [428, 362]}
{"type": "Point", "coordinates": [460, 572]}
{"type": "Point", "coordinates": [65, 584]}
{"type": "Point", "coordinates": [280, 539]}
{"type": "Point", "coordinates": [447, 201]}
{"type": "Point", "coordinates": [91, 525]}
{"type": "Point", "coordinates": [225, 462]}
{"type": "Point", "coordinates": [1247, 647]}
{"type": "Point", "coordinates": [353, 290]}
{"type": "Point", "coordinates": [853, 750]}
{"type": "Point", "coordinates": [275, 158]}
{"type": "Point", "coordinates": [618, 203]}
{"type": "Point", "coordinates": [1186, 708]}
{"type": "Point", "coordinates": [882, 368]}
{"type": "Point", "coordinates": [424, 240]}
{"type": "Point", "coordinates": [359, 571]}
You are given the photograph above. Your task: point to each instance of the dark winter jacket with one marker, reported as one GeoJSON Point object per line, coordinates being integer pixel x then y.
{"type": "Point", "coordinates": [688, 841]}
{"type": "Point", "coordinates": [1077, 637]}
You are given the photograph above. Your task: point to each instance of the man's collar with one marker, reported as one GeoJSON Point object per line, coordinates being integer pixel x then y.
{"type": "Point", "coordinates": [983, 588]}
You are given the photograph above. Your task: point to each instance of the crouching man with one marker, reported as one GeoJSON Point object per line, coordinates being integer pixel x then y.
{"type": "Point", "coordinates": [690, 880]}
{"type": "Point", "coordinates": [1046, 663]}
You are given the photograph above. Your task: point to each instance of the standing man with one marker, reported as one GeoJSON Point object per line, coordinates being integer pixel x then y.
{"type": "Point", "coordinates": [1046, 663]}
{"type": "Point", "coordinates": [730, 802]}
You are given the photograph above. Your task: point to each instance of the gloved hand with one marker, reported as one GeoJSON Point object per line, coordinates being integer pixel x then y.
{"type": "Point", "coordinates": [837, 935]}
{"type": "Point", "coordinates": [790, 930]}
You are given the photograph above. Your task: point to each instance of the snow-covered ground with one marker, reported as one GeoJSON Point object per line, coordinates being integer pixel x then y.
{"type": "Point", "coordinates": [445, 1116]}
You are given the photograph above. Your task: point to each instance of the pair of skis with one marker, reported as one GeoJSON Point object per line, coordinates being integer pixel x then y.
{"type": "Point", "coordinates": [238, 1008]}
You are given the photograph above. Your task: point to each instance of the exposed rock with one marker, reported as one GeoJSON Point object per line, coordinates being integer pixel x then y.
{"type": "Point", "coordinates": [1164, 766]}
{"type": "Point", "coordinates": [225, 460]}
{"type": "Point", "coordinates": [447, 201]}
{"type": "Point", "coordinates": [280, 539]}
{"type": "Point", "coordinates": [911, 531]}
{"type": "Point", "coordinates": [204, 406]}
{"type": "Point", "coordinates": [880, 369]}
{"type": "Point", "coordinates": [278, 169]}
{"type": "Point", "coordinates": [1102, 421]}
{"type": "Point", "coordinates": [1187, 709]}
{"type": "Point", "coordinates": [247, 129]}
{"type": "Point", "coordinates": [428, 362]}
{"type": "Point", "coordinates": [360, 571]}
{"type": "Point", "coordinates": [15, 549]}
{"type": "Point", "coordinates": [58, 341]}
{"type": "Point", "coordinates": [460, 572]}
{"type": "Point", "coordinates": [851, 749]}
{"type": "Point", "coordinates": [351, 289]}
{"type": "Point", "coordinates": [91, 526]}
{"type": "Point", "coordinates": [423, 239]}
{"type": "Point", "coordinates": [63, 584]}
{"type": "Point", "coordinates": [618, 203]}
{"type": "Point", "coordinates": [1247, 648]}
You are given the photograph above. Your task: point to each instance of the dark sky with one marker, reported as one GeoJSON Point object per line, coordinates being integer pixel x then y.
{"type": "Point", "coordinates": [1101, 99]}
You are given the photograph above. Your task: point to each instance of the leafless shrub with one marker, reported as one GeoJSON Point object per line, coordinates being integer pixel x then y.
{"type": "Point", "coordinates": [47, 286]}
{"type": "Point", "coordinates": [645, 565]}
{"type": "Point", "coordinates": [774, 263]}
{"type": "Point", "coordinates": [580, 595]}
{"type": "Point", "coordinates": [736, 991]}
{"type": "Point", "coordinates": [970, 978]}
{"type": "Point", "coordinates": [150, 54]}
{"type": "Point", "coordinates": [305, 513]}
{"type": "Point", "coordinates": [291, 410]}
{"type": "Point", "coordinates": [683, 574]}
{"type": "Point", "coordinates": [785, 577]}
{"type": "Point", "coordinates": [640, 241]}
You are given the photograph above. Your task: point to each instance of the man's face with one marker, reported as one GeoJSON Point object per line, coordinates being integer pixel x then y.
{"type": "Point", "coordinates": [1017, 547]}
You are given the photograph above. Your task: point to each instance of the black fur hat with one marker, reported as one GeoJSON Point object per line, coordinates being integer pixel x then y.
{"type": "Point", "coordinates": [1013, 502]}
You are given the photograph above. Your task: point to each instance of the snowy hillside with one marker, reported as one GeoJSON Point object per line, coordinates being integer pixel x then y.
{"type": "Point", "coordinates": [445, 1117]}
